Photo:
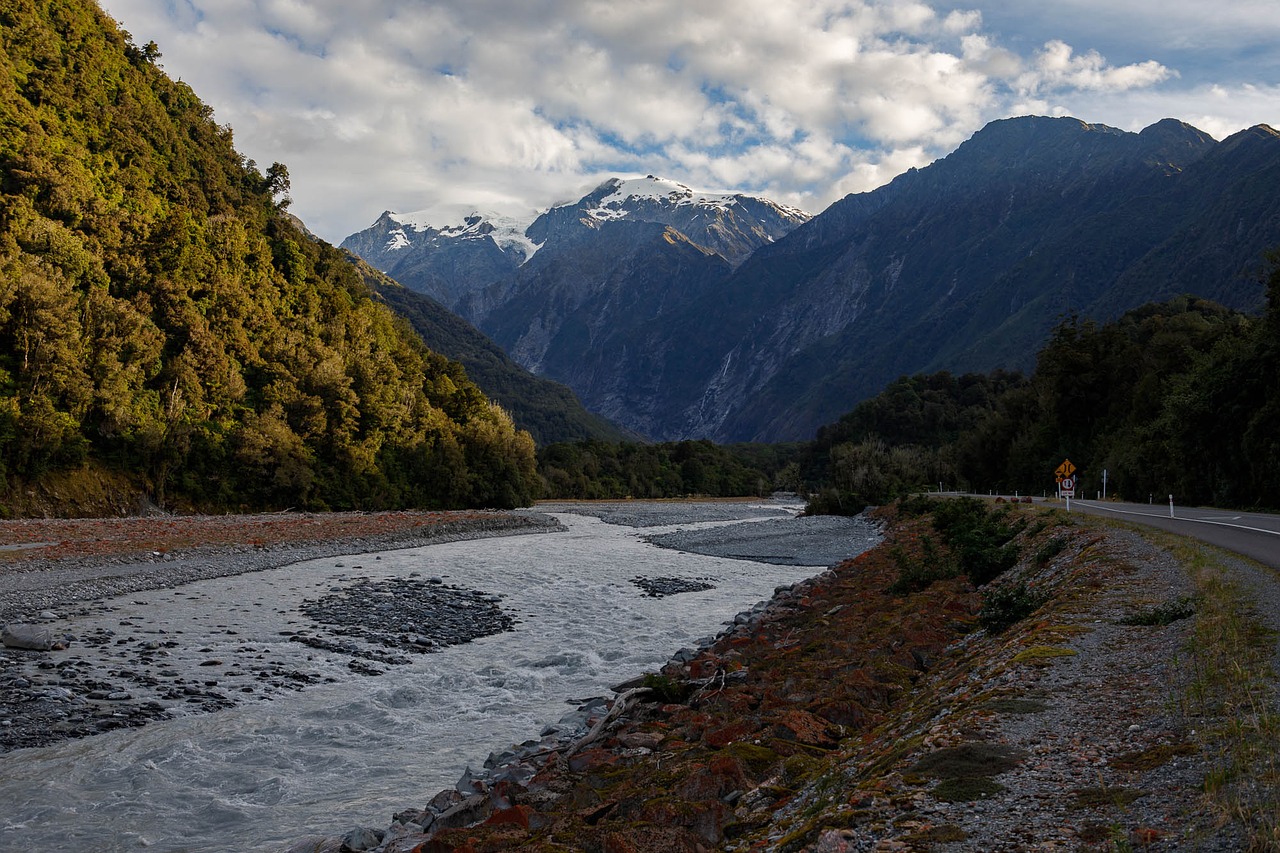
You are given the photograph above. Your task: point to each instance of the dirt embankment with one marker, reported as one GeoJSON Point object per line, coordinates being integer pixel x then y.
{"type": "Point", "coordinates": [857, 715]}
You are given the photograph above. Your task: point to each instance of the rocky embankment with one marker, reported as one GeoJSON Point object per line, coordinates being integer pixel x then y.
{"type": "Point", "coordinates": [123, 672]}
{"type": "Point", "coordinates": [886, 704]}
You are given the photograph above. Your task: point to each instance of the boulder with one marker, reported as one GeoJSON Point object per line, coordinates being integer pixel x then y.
{"type": "Point", "coordinates": [39, 638]}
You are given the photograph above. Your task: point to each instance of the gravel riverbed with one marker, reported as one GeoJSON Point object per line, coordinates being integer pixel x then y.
{"type": "Point", "coordinates": [122, 670]}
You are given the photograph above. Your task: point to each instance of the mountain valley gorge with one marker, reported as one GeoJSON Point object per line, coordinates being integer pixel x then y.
{"type": "Point", "coordinates": [765, 324]}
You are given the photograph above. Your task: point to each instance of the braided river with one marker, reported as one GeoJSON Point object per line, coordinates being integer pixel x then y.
{"type": "Point", "coordinates": [351, 749]}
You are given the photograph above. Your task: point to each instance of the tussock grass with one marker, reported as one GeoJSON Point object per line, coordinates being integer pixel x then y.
{"type": "Point", "coordinates": [1233, 688]}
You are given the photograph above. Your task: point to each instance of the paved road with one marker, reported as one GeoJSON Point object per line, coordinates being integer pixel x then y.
{"type": "Point", "coordinates": [1252, 534]}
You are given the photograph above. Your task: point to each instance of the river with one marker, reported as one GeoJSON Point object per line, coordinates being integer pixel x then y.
{"type": "Point", "coordinates": [352, 752]}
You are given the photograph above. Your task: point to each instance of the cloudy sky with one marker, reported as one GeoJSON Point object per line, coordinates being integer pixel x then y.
{"type": "Point", "coordinates": [515, 105]}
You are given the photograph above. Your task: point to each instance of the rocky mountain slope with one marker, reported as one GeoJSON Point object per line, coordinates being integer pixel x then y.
{"type": "Point", "coordinates": [443, 254]}
{"type": "Point", "coordinates": [968, 263]}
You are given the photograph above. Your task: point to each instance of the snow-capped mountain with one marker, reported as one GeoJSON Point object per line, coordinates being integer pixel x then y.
{"type": "Point", "coordinates": [450, 252]}
{"type": "Point", "coordinates": [444, 252]}
{"type": "Point", "coordinates": [733, 225]}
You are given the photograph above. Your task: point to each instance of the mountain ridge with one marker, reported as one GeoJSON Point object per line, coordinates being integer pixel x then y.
{"type": "Point", "coordinates": [451, 254]}
{"type": "Point", "coordinates": [964, 264]}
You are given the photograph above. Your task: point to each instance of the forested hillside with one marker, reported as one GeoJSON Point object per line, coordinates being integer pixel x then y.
{"type": "Point", "coordinates": [164, 325]}
{"type": "Point", "coordinates": [548, 410]}
{"type": "Point", "coordinates": [1181, 398]}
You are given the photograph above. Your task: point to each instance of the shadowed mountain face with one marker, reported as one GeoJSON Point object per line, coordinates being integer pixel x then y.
{"type": "Point", "coordinates": [547, 409]}
{"type": "Point", "coordinates": [679, 324]}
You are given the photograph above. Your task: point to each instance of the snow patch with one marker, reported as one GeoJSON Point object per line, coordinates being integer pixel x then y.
{"type": "Point", "coordinates": [649, 188]}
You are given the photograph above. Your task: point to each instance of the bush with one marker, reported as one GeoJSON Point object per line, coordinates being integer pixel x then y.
{"type": "Point", "coordinates": [979, 536]}
{"type": "Point", "coordinates": [1005, 605]}
{"type": "Point", "coordinates": [918, 573]}
{"type": "Point", "coordinates": [1050, 549]}
{"type": "Point", "coordinates": [1163, 614]}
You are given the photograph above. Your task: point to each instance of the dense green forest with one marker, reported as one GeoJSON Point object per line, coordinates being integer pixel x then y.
{"type": "Point", "coordinates": [592, 470]}
{"type": "Point", "coordinates": [163, 321]}
{"type": "Point", "coordinates": [1176, 398]}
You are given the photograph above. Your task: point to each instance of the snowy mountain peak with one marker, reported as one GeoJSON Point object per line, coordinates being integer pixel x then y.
{"type": "Point", "coordinates": [462, 223]}
{"type": "Point", "coordinates": [616, 198]}
{"type": "Point", "coordinates": [619, 191]}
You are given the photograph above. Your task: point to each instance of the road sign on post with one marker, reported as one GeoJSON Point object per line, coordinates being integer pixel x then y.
{"type": "Point", "coordinates": [1066, 469]}
{"type": "Point", "coordinates": [1068, 487]}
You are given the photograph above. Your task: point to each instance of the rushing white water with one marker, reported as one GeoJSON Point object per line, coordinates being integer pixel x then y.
{"type": "Point", "coordinates": [263, 774]}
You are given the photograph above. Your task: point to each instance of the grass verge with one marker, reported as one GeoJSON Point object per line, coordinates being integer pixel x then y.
{"type": "Point", "coordinates": [1233, 688]}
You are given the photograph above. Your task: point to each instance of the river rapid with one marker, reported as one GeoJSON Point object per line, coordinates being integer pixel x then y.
{"type": "Point", "coordinates": [353, 751]}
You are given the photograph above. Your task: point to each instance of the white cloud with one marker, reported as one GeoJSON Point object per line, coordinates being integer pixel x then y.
{"type": "Point", "coordinates": [406, 104]}
{"type": "Point", "coordinates": [1058, 67]}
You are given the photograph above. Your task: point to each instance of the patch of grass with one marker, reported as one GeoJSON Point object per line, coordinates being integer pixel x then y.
{"type": "Point", "coordinates": [797, 769]}
{"type": "Point", "coordinates": [757, 758]}
{"type": "Point", "coordinates": [1042, 654]}
{"type": "Point", "coordinates": [1232, 690]}
{"type": "Point", "coordinates": [966, 789]}
{"type": "Point", "coordinates": [968, 760]}
{"type": "Point", "coordinates": [1163, 614]}
{"type": "Point", "coordinates": [1234, 685]}
{"type": "Point", "coordinates": [943, 833]}
{"type": "Point", "coordinates": [1153, 757]}
{"type": "Point", "coordinates": [1104, 797]}
{"type": "Point", "coordinates": [1008, 604]}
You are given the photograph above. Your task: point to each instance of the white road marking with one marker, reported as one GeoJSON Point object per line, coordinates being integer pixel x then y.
{"type": "Point", "coordinates": [1182, 518]}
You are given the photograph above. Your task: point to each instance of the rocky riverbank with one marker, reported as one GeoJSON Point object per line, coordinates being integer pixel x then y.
{"type": "Point", "coordinates": [58, 576]}
{"type": "Point", "coordinates": [886, 704]}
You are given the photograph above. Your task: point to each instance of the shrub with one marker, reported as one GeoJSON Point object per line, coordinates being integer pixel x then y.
{"type": "Point", "coordinates": [1005, 605]}
{"type": "Point", "coordinates": [979, 536]}
{"type": "Point", "coordinates": [669, 690]}
{"type": "Point", "coordinates": [918, 573]}
{"type": "Point", "coordinates": [916, 505]}
{"type": "Point", "coordinates": [1163, 614]}
{"type": "Point", "coordinates": [1050, 549]}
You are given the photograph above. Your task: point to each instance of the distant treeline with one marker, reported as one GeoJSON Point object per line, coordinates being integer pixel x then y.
{"type": "Point", "coordinates": [590, 470]}
{"type": "Point", "coordinates": [1177, 398]}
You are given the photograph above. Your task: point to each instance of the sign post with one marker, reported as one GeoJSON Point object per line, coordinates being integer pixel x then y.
{"type": "Point", "coordinates": [1066, 484]}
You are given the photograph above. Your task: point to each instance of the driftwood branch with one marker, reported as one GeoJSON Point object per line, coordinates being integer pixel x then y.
{"type": "Point", "coordinates": [620, 705]}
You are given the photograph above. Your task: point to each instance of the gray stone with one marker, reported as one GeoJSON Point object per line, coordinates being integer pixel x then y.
{"type": "Point", "coordinates": [470, 811]}
{"type": "Point", "coordinates": [34, 637]}
{"type": "Point", "coordinates": [361, 839]}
